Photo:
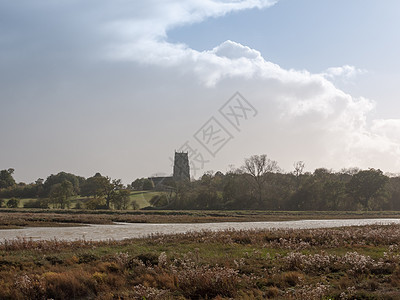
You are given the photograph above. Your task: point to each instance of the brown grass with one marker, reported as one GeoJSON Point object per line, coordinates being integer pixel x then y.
{"type": "Point", "coordinates": [340, 263]}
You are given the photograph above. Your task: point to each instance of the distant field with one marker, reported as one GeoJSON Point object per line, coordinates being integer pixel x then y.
{"type": "Point", "coordinates": [22, 201]}
{"type": "Point", "coordinates": [142, 198]}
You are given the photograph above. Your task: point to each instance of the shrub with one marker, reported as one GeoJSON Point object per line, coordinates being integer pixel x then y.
{"type": "Point", "coordinates": [95, 203]}
{"type": "Point", "coordinates": [135, 205]}
{"type": "Point", "coordinates": [13, 203]}
{"type": "Point", "coordinates": [148, 258]}
{"type": "Point", "coordinates": [272, 292]}
{"type": "Point", "coordinates": [143, 292]}
{"type": "Point", "coordinates": [54, 260]}
{"type": "Point", "coordinates": [292, 278]}
{"type": "Point", "coordinates": [206, 281]}
{"type": "Point", "coordinates": [37, 203]}
{"type": "Point", "coordinates": [85, 258]}
{"type": "Point", "coordinates": [31, 286]}
{"type": "Point", "coordinates": [75, 284]}
{"type": "Point", "coordinates": [78, 205]}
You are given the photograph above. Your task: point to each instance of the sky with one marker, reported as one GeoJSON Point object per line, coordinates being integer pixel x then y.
{"type": "Point", "coordinates": [117, 86]}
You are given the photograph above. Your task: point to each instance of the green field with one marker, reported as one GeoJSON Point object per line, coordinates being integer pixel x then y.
{"type": "Point", "coordinates": [142, 198]}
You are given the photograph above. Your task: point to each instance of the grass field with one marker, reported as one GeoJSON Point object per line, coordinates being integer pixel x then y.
{"type": "Point", "coordinates": [142, 198]}
{"type": "Point", "coordinates": [340, 263]}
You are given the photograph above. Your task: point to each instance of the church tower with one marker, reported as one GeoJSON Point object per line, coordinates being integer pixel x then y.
{"type": "Point", "coordinates": [181, 166]}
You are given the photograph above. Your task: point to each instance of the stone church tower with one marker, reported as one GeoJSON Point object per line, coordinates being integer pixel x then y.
{"type": "Point", "coordinates": [181, 166]}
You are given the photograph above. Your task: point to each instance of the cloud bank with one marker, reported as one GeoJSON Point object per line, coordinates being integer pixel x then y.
{"type": "Point", "coordinates": [304, 99]}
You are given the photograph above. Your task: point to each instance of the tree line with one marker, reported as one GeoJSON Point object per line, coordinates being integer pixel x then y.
{"type": "Point", "coordinates": [259, 184]}
{"type": "Point", "coordinates": [56, 191]}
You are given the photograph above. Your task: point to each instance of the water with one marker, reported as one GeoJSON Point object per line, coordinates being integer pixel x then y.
{"type": "Point", "coordinates": [120, 231]}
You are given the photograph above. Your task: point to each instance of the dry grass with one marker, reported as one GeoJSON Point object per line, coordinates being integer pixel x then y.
{"type": "Point", "coordinates": [340, 263]}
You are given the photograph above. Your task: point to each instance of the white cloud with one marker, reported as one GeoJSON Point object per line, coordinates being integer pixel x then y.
{"type": "Point", "coordinates": [152, 20]}
{"type": "Point", "coordinates": [389, 129]}
{"type": "Point", "coordinates": [307, 101]}
{"type": "Point", "coordinates": [232, 50]}
{"type": "Point", "coordinates": [345, 72]}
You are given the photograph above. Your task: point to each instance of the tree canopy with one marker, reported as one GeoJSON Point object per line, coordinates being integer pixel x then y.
{"type": "Point", "coordinates": [6, 178]}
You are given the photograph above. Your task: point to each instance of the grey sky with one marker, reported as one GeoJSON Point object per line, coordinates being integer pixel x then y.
{"type": "Point", "coordinates": [100, 86]}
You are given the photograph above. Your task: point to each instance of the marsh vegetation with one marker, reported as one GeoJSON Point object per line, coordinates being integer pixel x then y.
{"type": "Point", "coordinates": [340, 263]}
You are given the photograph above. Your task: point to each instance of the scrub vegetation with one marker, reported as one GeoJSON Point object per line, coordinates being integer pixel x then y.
{"type": "Point", "coordinates": [339, 263]}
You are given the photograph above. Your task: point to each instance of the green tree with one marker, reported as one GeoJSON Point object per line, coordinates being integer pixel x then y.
{"type": "Point", "coordinates": [6, 178]}
{"type": "Point", "coordinates": [12, 203]}
{"type": "Point", "coordinates": [367, 185]}
{"type": "Point", "coordinates": [277, 190]}
{"type": "Point", "coordinates": [148, 185]}
{"type": "Point", "coordinates": [105, 188]}
{"type": "Point", "coordinates": [120, 199]}
{"type": "Point", "coordinates": [137, 185]}
{"type": "Point", "coordinates": [207, 192]}
{"type": "Point", "coordinates": [334, 193]}
{"type": "Point", "coordinates": [61, 193]}
{"type": "Point", "coordinates": [39, 187]}
{"type": "Point", "coordinates": [394, 191]}
{"type": "Point", "coordinates": [60, 178]}
{"type": "Point", "coordinates": [108, 189]}
{"type": "Point", "coordinates": [182, 198]}
{"type": "Point", "coordinates": [142, 184]}
{"type": "Point", "coordinates": [236, 192]}
{"type": "Point", "coordinates": [92, 186]}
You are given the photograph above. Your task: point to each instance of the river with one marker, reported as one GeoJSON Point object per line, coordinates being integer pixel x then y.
{"type": "Point", "coordinates": [120, 231]}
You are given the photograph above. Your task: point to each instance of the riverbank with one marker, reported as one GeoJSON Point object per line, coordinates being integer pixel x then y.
{"type": "Point", "coordinates": [121, 231]}
{"type": "Point", "coordinates": [19, 218]}
{"type": "Point", "coordinates": [336, 263]}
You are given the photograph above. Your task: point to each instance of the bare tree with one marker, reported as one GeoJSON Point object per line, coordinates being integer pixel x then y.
{"type": "Point", "coordinates": [257, 166]}
{"type": "Point", "coordinates": [298, 171]}
{"type": "Point", "coordinates": [298, 168]}
{"type": "Point", "coordinates": [350, 171]}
